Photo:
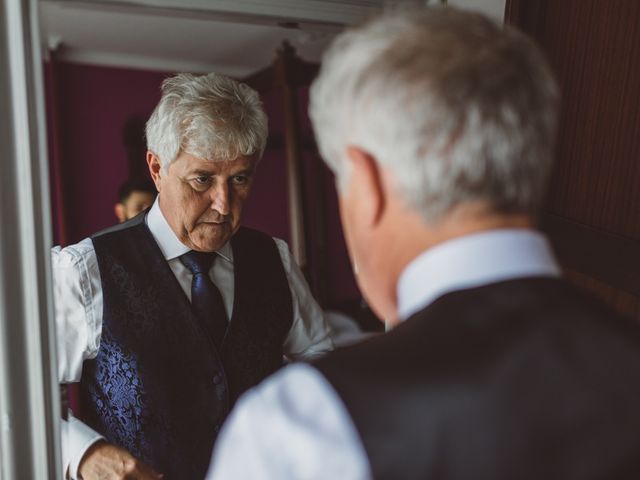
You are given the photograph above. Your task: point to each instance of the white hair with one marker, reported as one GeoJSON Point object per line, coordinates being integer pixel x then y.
{"type": "Point", "coordinates": [457, 107]}
{"type": "Point", "coordinates": [209, 116]}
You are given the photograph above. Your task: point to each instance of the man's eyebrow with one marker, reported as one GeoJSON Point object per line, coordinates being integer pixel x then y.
{"type": "Point", "coordinates": [208, 173]}
{"type": "Point", "coordinates": [202, 172]}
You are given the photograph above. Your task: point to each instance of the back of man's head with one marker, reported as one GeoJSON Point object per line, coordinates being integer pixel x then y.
{"type": "Point", "coordinates": [209, 116]}
{"type": "Point", "coordinates": [457, 108]}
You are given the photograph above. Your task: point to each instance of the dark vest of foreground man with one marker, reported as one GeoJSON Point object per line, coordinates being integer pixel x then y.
{"type": "Point", "coordinates": [524, 379]}
{"type": "Point", "coordinates": [158, 387]}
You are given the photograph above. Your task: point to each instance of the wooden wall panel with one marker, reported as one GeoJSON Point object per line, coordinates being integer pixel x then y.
{"type": "Point", "coordinates": [594, 197]}
{"type": "Point", "coordinates": [597, 60]}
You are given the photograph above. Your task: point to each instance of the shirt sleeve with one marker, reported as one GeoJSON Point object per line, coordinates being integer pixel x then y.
{"type": "Point", "coordinates": [77, 437]}
{"type": "Point", "coordinates": [78, 317]}
{"type": "Point", "coordinates": [310, 334]}
{"type": "Point", "coordinates": [78, 307]}
{"type": "Point", "coordinates": [291, 426]}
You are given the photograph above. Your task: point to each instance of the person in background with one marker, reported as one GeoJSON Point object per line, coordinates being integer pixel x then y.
{"type": "Point", "coordinates": [167, 318]}
{"type": "Point", "coordinates": [440, 128]}
{"type": "Point", "coordinates": [134, 196]}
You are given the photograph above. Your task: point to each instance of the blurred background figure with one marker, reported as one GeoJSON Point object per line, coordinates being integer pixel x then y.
{"type": "Point", "coordinates": [134, 196]}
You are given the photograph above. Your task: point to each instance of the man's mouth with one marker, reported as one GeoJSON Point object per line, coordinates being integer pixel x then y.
{"type": "Point", "coordinates": [214, 222]}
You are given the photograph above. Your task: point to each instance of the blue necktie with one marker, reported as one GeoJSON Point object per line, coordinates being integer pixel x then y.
{"type": "Point", "coordinates": [206, 299]}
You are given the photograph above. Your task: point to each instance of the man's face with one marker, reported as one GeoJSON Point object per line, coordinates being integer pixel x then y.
{"type": "Point", "coordinates": [135, 203]}
{"type": "Point", "coordinates": [201, 199]}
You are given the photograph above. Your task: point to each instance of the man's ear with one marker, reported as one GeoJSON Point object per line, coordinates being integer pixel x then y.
{"type": "Point", "coordinates": [119, 211]}
{"type": "Point", "coordinates": [155, 168]}
{"type": "Point", "coordinates": [367, 185]}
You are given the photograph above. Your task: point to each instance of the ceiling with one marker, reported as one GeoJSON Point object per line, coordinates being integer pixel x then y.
{"type": "Point", "coordinates": [234, 37]}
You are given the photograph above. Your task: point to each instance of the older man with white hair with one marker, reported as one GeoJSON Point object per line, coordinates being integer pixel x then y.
{"type": "Point", "coordinates": [166, 319]}
{"type": "Point", "coordinates": [440, 125]}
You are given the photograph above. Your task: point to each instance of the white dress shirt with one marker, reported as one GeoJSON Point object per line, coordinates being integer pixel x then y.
{"type": "Point", "coordinates": [294, 425]}
{"type": "Point", "coordinates": [78, 313]}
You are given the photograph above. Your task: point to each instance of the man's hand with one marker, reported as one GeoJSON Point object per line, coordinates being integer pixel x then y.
{"type": "Point", "coordinates": [104, 461]}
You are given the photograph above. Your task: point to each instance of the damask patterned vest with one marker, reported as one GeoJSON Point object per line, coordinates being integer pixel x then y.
{"type": "Point", "coordinates": [158, 387]}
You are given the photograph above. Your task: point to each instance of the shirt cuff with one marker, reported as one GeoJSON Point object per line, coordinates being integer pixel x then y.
{"type": "Point", "coordinates": [77, 437]}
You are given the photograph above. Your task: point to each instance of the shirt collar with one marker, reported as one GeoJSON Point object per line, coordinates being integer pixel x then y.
{"type": "Point", "coordinates": [472, 261]}
{"type": "Point", "coordinates": [167, 240]}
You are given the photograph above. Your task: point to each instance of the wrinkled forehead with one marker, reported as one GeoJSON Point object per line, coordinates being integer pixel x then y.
{"type": "Point", "coordinates": [187, 163]}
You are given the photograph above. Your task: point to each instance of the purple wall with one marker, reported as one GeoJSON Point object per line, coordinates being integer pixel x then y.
{"type": "Point", "coordinates": [94, 104]}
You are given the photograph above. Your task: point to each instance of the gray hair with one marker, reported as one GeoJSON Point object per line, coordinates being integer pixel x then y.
{"type": "Point", "coordinates": [208, 116]}
{"type": "Point", "coordinates": [456, 107]}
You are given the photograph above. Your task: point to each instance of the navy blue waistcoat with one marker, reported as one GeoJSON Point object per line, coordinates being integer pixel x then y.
{"type": "Point", "coordinates": [158, 387]}
{"type": "Point", "coordinates": [524, 379]}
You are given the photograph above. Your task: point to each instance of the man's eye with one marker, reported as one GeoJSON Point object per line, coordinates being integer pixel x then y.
{"type": "Point", "coordinates": [202, 180]}
{"type": "Point", "coordinates": [240, 179]}
{"type": "Point", "coordinates": [200, 183]}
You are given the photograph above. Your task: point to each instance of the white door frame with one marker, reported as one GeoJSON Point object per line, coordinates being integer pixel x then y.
{"type": "Point", "coordinates": [29, 398]}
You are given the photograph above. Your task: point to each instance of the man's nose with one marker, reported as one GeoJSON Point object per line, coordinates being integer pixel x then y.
{"type": "Point", "coordinates": [220, 198]}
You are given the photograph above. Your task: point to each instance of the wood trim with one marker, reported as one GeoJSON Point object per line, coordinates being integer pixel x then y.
{"type": "Point", "coordinates": [284, 68]}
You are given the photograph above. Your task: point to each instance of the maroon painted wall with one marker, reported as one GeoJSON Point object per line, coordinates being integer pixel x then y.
{"type": "Point", "coordinates": [94, 103]}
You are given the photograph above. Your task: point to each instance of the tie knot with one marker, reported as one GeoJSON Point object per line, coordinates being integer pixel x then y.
{"type": "Point", "coordinates": [198, 262]}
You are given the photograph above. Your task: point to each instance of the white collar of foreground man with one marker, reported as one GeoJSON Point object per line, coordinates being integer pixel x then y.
{"type": "Point", "coordinates": [472, 261]}
{"type": "Point", "coordinates": [166, 239]}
